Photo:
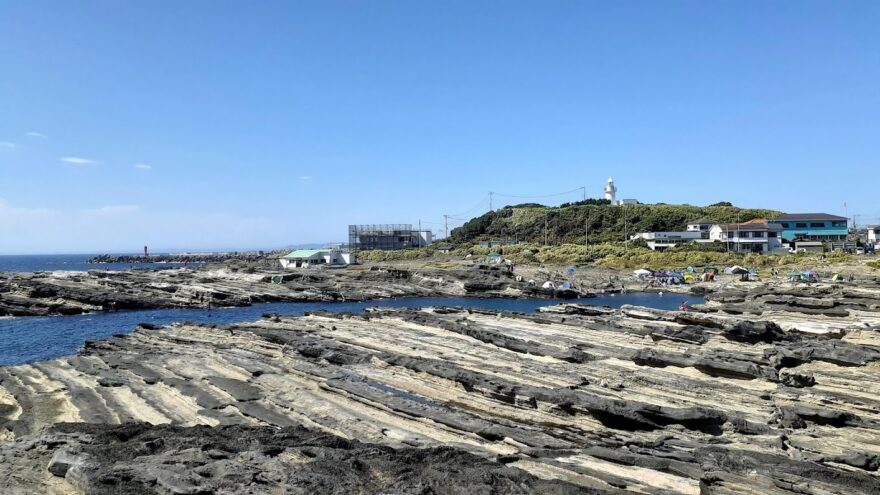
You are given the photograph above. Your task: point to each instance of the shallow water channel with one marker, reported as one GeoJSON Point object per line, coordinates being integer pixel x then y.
{"type": "Point", "coordinates": [36, 338]}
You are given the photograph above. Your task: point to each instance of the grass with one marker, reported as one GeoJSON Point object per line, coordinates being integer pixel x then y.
{"type": "Point", "coordinates": [615, 255]}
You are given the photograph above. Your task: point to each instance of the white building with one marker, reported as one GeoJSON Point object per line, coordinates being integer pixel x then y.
{"type": "Point", "coordinates": [307, 258]}
{"type": "Point", "coordinates": [658, 241]}
{"type": "Point", "coordinates": [873, 233]}
{"type": "Point", "coordinates": [701, 225]}
{"type": "Point", "coordinates": [611, 191]}
{"type": "Point", "coordinates": [757, 237]}
{"type": "Point", "coordinates": [611, 195]}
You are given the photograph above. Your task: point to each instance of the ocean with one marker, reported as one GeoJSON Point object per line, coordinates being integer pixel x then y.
{"type": "Point", "coordinates": [36, 338]}
{"type": "Point", "coordinates": [69, 262]}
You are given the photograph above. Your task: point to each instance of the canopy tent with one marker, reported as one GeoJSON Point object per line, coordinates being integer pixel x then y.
{"type": "Point", "coordinates": [736, 270]}
{"type": "Point", "coordinates": [675, 275]}
{"type": "Point", "coordinates": [549, 285]}
{"type": "Point", "coordinates": [642, 273]}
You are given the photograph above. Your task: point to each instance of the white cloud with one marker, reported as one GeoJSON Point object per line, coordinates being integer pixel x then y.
{"type": "Point", "coordinates": [34, 134]}
{"type": "Point", "coordinates": [305, 177]}
{"type": "Point", "coordinates": [6, 144]}
{"type": "Point", "coordinates": [78, 161]}
{"type": "Point", "coordinates": [142, 166]}
{"type": "Point", "coordinates": [113, 211]}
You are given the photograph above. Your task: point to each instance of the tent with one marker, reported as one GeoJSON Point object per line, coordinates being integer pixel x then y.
{"type": "Point", "coordinates": [642, 273]}
{"type": "Point", "coordinates": [566, 285]}
{"type": "Point", "coordinates": [548, 285]}
{"type": "Point", "coordinates": [675, 275]}
{"type": "Point", "coordinates": [688, 277]}
{"type": "Point", "coordinates": [736, 270]}
{"type": "Point", "coordinates": [690, 269]}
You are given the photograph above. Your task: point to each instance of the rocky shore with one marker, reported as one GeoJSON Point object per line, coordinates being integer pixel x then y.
{"type": "Point", "coordinates": [769, 390]}
{"type": "Point", "coordinates": [66, 293]}
{"type": "Point", "coordinates": [177, 258]}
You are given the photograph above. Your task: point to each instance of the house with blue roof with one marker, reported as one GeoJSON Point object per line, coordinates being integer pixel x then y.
{"type": "Point", "coordinates": [812, 227]}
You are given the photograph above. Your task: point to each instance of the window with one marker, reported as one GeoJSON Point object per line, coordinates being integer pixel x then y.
{"type": "Point", "coordinates": [745, 234]}
{"type": "Point", "coordinates": [817, 225]}
{"type": "Point", "coordinates": [800, 225]}
{"type": "Point", "coordinates": [758, 234]}
{"type": "Point", "coordinates": [839, 224]}
{"type": "Point", "coordinates": [785, 225]}
{"type": "Point", "coordinates": [771, 234]}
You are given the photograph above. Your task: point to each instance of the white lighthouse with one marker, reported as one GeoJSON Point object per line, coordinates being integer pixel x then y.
{"type": "Point", "coordinates": [611, 191]}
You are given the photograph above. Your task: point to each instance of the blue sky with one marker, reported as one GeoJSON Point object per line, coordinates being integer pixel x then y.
{"type": "Point", "coordinates": [220, 124]}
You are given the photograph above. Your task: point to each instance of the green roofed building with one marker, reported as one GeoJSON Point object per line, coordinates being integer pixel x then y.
{"type": "Point", "coordinates": [310, 258]}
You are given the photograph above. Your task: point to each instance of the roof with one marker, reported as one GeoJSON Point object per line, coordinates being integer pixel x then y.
{"type": "Point", "coordinates": [751, 226]}
{"type": "Point", "coordinates": [305, 253]}
{"type": "Point", "coordinates": [794, 217]}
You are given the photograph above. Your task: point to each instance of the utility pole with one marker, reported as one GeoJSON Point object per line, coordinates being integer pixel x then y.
{"type": "Point", "coordinates": [490, 200]}
{"type": "Point", "coordinates": [420, 233]}
{"type": "Point", "coordinates": [625, 237]}
{"type": "Point", "coordinates": [587, 236]}
{"type": "Point", "coordinates": [446, 226]}
{"type": "Point", "coordinates": [584, 190]}
{"type": "Point", "coordinates": [545, 228]}
{"type": "Point", "coordinates": [738, 240]}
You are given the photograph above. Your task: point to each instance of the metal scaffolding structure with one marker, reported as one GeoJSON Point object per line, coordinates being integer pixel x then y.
{"type": "Point", "coordinates": [382, 237]}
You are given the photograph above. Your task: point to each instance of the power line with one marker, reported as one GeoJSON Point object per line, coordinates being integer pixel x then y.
{"type": "Point", "coordinates": [472, 208]}
{"type": "Point", "coordinates": [539, 196]}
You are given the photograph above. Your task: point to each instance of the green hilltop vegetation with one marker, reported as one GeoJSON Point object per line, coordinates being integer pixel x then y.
{"type": "Point", "coordinates": [565, 232]}
{"type": "Point", "coordinates": [565, 223]}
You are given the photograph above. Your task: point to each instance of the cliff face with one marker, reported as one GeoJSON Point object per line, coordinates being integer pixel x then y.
{"type": "Point", "coordinates": [599, 400]}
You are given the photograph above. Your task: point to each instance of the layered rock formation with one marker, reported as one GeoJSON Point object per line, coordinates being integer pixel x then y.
{"type": "Point", "coordinates": [65, 293]}
{"type": "Point", "coordinates": [591, 399]}
{"type": "Point", "coordinates": [177, 258]}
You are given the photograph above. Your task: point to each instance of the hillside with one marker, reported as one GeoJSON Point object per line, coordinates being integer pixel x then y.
{"type": "Point", "coordinates": [565, 224]}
